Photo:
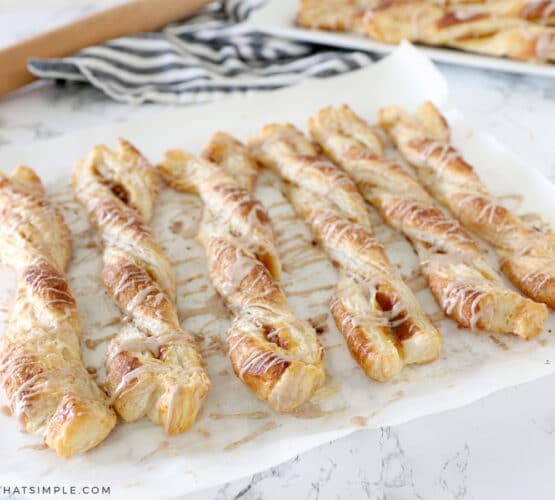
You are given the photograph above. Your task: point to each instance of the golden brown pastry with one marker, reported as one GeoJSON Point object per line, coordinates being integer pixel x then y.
{"type": "Point", "coordinates": [505, 28]}
{"type": "Point", "coordinates": [378, 315]}
{"type": "Point", "coordinates": [332, 15]}
{"type": "Point", "coordinates": [427, 22]}
{"type": "Point", "coordinates": [464, 286]}
{"type": "Point", "coordinates": [527, 253]}
{"type": "Point", "coordinates": [531, 43]}
{"type": "Point", "coordinates": [41, 368]}
{"type": "Point", "coordinates": [153, 367]}
{"type": "Point", "coordinates": [273, 352]}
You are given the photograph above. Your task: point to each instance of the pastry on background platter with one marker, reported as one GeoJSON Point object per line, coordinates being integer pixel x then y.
{"type": "Point", "coordinates": [516, 29]}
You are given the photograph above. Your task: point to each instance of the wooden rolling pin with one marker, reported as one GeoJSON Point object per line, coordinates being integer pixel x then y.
{"type": "Point", "coordinates": [123, 20]}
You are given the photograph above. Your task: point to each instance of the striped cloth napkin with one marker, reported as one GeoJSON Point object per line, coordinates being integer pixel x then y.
{"type": "Point", "coordinates": [205, 57]}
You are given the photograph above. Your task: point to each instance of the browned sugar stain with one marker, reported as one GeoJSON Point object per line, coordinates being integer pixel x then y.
{"type": "Point", "coordinates": [201, 289]}
{"type": "Point", "coordinates": [498, 342]}
{"type": "Point", "coordinates": [311, 410]}
{"type": "Point", "coordinates": [542, 342]}
{"type": "Point", "coordinates": [212, 305]}
{"type": "Point", "coordinates": [223, 373]}
{"type": "Point", "coordinates": [116, 320]}
{"type": "Point", "coordinates": [309, 291]}
{"type": "Point", "coordinates": [94, 343]}
{"type": "Point", "coordinates": [391, 238]}
{"type": "Point", "coordinates": [215, 346]}
{"type": "Point", "coordinates": [253, 415]}
{"type": "Point", "coordinates": [92, 370]}
{"type": "Point", "coordinates": [204, 433]}
{"type": "Point", "coordinates": [359, 421]}
{"type": "Point", "coordinates": [36, 447]}
{"type": "Point", "coordinates": [252, 436]}
{"type": "Point", "coordinates": [396, 397]}
{"type": "Point", "coordinates": [287, 218]}
{"type": "Point", "coordinates": [319, 323]}
{"type": "Point", "coordinates": [301, 263]}
{"type": "Point", "coordinates": [333, 346]}
{"type": "Point", "coordinates": [277, 204]}
{"type": "Point", "coordinates": [6, 410]}
{"type": "Point", "coordinates": [296, 252]}
{"type": "Point", "coordinates": [437, 316]}
{"type": "Point", "coordinates": [164, 445]}
{"type": "Point", "coordinates": [176, 226]}
{"type": "Point", "coordinates": [207, 324]}
{"type": "Point", "coordinates": [416, 283]}
{"type": "Point", "coordinates": [292, 237]}
{"type": "Point", "coordinates": [178, 262]}
{"type": "Point", "coordinates": [184, 281]}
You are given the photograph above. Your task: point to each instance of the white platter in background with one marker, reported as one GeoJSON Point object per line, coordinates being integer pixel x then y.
{"type": "Point", "coordinates": [278, 17]}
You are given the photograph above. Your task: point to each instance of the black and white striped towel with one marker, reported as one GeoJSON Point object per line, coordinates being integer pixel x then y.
{"type": "Point", "coordinates": [200, 59]}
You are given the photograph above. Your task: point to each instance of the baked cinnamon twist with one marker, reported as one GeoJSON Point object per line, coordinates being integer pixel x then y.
{"type": "Point", "coordinates": [41, 367]}
{"type": "Point", "coordinates": [506, 28]}
{"type": "Point", "coordinates": [463, 284]}
{"type": "Point", "coordinates": [153, 367]}
{"type": "Point", "coordinates": [273, 352]}
{"type": "Point", "coordinates": [378, 315]}
{"type": "Point", "coordinates": [527, 253]}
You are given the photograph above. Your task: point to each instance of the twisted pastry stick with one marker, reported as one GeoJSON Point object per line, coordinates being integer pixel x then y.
{"type": "Point", "coordinates": [153, 367]}
{"type": "Point", "coordinates": [462, 283]}
{"type": "Point", "coordinates": [41, 368]}
{"type": "Point", "coordinates": [533, 43]}
{"type": "Point", "coordinates": [527, 253]}
{"type": "Point", "coordinates": [503, 30]}
{"type": "Point", "coordinates": [510, 28]}
{"type": "Point", "coordinates": [332, 15]}
{"type": "Point", "coordinates": [275, 354]}
{"type": "Point", "coordinates": [379, 317]}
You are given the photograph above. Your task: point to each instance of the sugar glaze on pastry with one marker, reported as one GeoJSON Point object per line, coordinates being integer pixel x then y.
{"type": "Point", "coordinates": [153, 367]}
{"type": "Point", "coordinates": [276, 354]}
{"type": "Point", "coordinates": [41, 368]}
{"type": "Point", "coordinates": [527, 254]}
{"type": "Point", "coordinates": [462, 283]}
{"type": "Point", "coordinates": [383, 324]}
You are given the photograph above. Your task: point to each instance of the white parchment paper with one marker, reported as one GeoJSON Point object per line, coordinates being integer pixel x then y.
{"type": "Point", "coordinates": [237, 435]}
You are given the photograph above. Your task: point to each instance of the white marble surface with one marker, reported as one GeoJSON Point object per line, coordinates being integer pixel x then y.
{"type": "Point", "coordinates": [500, 447]}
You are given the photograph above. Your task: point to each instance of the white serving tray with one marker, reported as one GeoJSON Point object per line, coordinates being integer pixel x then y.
{"type": "Point", "coordinates": [237, 435]}
{"type": "Point", "coordinates": [278, 17]}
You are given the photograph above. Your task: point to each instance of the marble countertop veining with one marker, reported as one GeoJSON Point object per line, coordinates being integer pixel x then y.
{"type": "Point", "coordinates": [499, 447]}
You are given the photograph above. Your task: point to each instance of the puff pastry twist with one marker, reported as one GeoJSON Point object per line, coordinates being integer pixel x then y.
{"type": "Point", "coordinates": [507, 28]}
{"type": "Point", "coordinates": [274, 353]}
{"type": "Point", "coordinates": [153, 367]}
{"type": "Point", "coordinates": [463, 284]}
{"type": "Point", "coordinates": [378, 315]}
{"type": "Point", "coordinates": [527, 253]}
{"type": "Point", "coordinates": [41, 367]}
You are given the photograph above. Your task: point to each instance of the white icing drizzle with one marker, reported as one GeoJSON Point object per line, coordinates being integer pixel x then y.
{"type": "Point", "coordinates": [41, 364]}
{"type": "Point", "coordinates": [457, 294]}
{"type": "Point", "coordinates": [447, 154]}
{"type": "Point", "coordinates": [145, 271]}
{"type": "Point", "coordinates": [143, 343]}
